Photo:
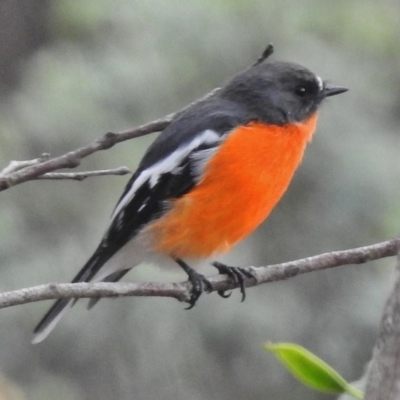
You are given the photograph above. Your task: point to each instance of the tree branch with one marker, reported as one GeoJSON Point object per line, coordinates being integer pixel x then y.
{"type": "Point", "coordinates": [80, 176]}
{"type": "Point", "coordinates": [181, 291]}
{"type": "Point", "coordinates": [383, 381]}
{"type": "Point", "coordinates": [72, 159]}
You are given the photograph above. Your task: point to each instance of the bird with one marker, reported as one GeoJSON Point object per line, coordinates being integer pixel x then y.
{"type": "Point", "coordinates": [209, 179]}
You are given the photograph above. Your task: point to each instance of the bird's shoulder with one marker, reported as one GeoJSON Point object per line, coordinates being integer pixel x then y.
{"type": "Point", "coordinates": [216, 115]}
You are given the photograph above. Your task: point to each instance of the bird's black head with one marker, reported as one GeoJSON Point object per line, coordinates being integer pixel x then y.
{"type": "Point", "coordinates": [278, 92]}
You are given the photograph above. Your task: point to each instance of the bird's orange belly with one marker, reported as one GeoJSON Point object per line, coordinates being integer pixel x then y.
{"type": "Point", "coordinates": [241, 185]}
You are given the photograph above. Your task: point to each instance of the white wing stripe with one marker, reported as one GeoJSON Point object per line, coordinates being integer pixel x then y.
{"type": "Point", "coordinates": [166, 165]}
{"type": "Point", "coordinates": [200, 159]}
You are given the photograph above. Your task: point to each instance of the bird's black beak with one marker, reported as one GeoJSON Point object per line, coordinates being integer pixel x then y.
{"type": "Point", "coordinates": [334, 90]}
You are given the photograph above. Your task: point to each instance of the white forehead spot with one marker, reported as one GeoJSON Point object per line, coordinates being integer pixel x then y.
{"type": "Point", "coordinates": [320, 83]}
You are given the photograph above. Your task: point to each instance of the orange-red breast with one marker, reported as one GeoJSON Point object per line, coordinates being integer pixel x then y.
{"type": "Point", "coordinates": [210, 178]}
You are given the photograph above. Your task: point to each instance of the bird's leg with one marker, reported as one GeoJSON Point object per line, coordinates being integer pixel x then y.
{"type": "Point", "coordinates": [237, 274]}
{"type": "Point", "coordinates": [199, 282]}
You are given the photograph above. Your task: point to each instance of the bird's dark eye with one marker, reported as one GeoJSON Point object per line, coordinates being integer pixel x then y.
{"type": "Point", "coordinates": [301, 91]}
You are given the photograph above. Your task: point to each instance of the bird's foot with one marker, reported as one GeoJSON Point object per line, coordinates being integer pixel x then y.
{"type": "Point", "coordinates": [199, 283]}
{"type": "Point", "coordinates": [237, 274]}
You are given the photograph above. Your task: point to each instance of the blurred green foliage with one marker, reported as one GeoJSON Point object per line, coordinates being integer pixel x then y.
{"type": "Point", "coordinates": [113, 65]}
{"type": "Point", "coordinates": [311, 370]}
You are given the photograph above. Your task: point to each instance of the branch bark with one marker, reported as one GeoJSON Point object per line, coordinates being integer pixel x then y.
{"type": "Point", "coordinates": [73, 158]}
{"type": "Point", "coordinates": [181, 291]}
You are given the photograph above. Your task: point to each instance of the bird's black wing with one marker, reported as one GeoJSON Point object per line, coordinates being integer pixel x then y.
{"type": "Point", "coordinates": [170, 167]}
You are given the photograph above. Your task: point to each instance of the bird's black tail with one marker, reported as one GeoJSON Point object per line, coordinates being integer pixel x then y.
{"type": "Point", "coordinates": [53, 316]}
{"type": "Point", "coordinates": [50, 320]}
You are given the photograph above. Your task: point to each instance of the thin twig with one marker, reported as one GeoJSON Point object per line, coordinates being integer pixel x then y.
{"type": "Point", "coordinates": [73, 158]}
{"type": "Point", "coordinates": [80, 176]}
{"type": "Point", "coordinates": [181, 291]}
{"type": "Point", "coordinates": [15, 165]}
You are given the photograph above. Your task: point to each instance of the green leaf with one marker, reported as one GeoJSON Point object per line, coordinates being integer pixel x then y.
{"type": "Point", "coordinates": [311, 370]}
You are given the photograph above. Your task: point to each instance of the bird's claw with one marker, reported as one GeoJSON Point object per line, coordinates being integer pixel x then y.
{"type": "Point", "coordinates": [200, 284]}
{"type": "Point", "coordinates": [223, 294]}
{"type": "Point", "coordinates": [237, 274]}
